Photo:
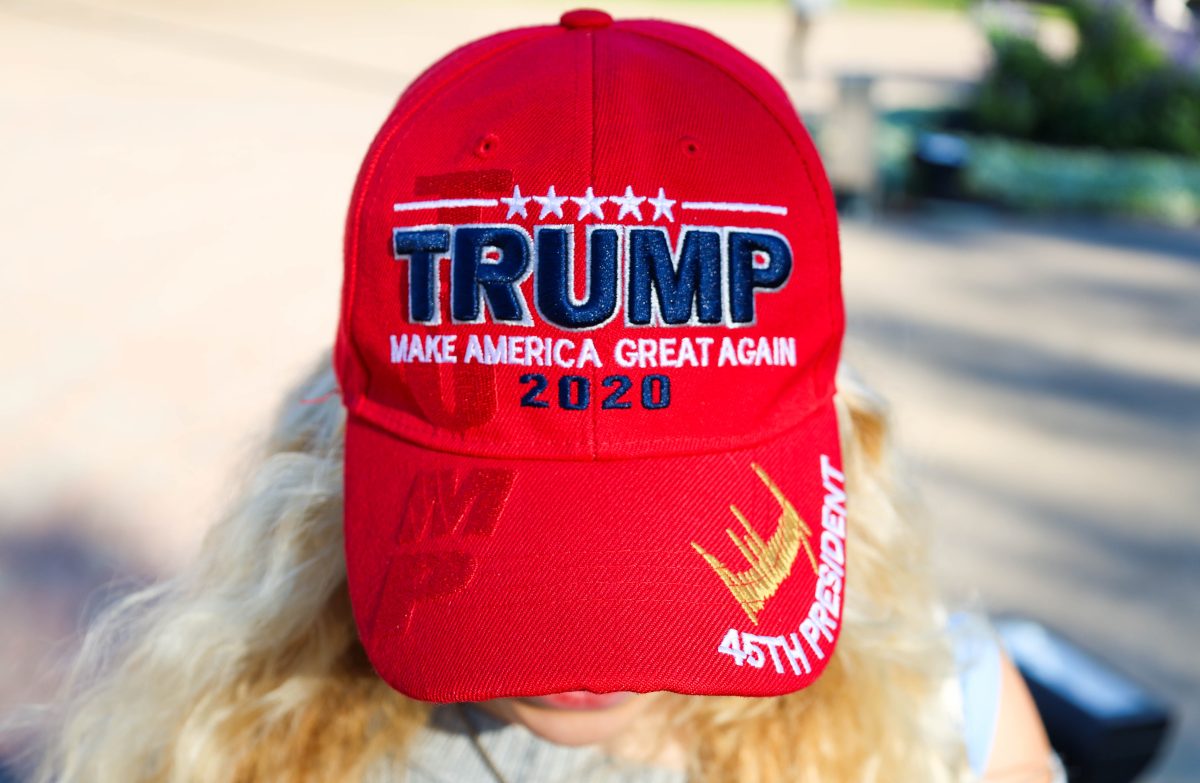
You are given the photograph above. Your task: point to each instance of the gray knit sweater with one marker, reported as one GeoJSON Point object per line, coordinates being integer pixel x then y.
{"type": "Point", "coordinates": [444, 753]}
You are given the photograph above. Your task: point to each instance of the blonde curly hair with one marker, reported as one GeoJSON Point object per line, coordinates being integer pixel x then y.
{"type": "Point", "coordinates": [246, 667]}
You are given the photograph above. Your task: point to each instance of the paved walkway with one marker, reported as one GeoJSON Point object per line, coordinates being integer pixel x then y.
{"type": "Point", "coordinates": [175, 178]}
{"type": "Point", "coordinates": [1046, 385]}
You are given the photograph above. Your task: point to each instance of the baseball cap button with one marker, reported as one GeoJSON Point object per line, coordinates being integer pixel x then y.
{"type": "Point", "coordinates": [585, 18]}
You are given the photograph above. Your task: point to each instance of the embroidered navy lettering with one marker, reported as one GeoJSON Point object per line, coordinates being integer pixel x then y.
{"type": "Point", "coordinates": [554, 294]}
{"type": "Point", "coordinates": [745, 275]}
{"type": "Point", "coordinates": [687, 286]}
{"type": "Point", "coordinates": [421, 248]}
{"type": "Point", "coordinates": [710, 275]}
{"type": "Point", "coordinates": [472, 271]}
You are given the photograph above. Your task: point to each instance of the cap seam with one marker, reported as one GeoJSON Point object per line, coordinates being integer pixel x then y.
{"type": "Point", "coordinates": [809, 412]}
{"type": "Point", "coordinates": [594, 371]}
{"type": "Point", "coordinates": [831, 257]}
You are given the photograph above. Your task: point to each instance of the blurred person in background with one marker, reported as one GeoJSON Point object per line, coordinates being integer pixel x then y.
{"type": "Point", "coordinates": [804, 15]}
{"type": "Point", "coordinates": [464, 556]}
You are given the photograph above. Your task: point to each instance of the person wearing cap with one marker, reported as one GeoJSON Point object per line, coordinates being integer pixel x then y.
{"type": "Point", "coordinates": [582, 494]}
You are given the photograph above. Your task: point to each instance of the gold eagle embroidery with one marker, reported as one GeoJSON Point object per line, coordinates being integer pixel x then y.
{"type": "Point", "coordinates": [770, 561]}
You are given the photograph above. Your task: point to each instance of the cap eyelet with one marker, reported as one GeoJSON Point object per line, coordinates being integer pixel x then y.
{"type": "Point", "coordinates": [689, 145]}
{"type": "Point", "coordinates": [487, 146]}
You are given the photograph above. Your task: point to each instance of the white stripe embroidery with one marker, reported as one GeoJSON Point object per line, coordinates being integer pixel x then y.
{"type": "Point", "coordinates": [445, 203]}
{"type": "Point", "coordinates": [730, 206]}
{"type": "Point", "coordinates": [709, 206]}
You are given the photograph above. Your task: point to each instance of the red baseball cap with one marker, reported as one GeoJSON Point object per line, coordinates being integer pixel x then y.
{"type": "Point", "coordinates": [590, 324]}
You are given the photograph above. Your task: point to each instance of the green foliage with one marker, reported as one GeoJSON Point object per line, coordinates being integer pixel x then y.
{"type": "Point", "coordinates": [1037, 178]}
{"type": "Point", "coordinates": [1040, 178]}
{"type": "Point", "coordinates": [1117, 91]}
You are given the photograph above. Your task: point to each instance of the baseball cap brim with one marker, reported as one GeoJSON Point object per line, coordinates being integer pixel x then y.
{"type": "Point", "coordinates": [474, 578]}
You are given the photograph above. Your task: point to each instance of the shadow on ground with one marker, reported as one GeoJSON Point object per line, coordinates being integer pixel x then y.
{"type": "Point", "coordinates": [1053, 369]}
{"type": "Point", "coordinates": [55, 578]}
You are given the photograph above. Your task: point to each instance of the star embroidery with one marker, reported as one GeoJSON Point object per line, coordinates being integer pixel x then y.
{"type": "Point", "coordinates": [590, 204]}
{"type": "Point", "coordinates": [551, 203]}
{"type": "Point", "coordinates": [629, 203]}
{"type": "Point", "coordinates": [516, 203]}
{"type": "Point", "coordinates": [662, 206]}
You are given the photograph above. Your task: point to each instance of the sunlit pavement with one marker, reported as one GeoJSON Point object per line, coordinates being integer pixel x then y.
{"type": "Point", "coordinates": [173, 190]}
{"type": "Point", "coordinates": [1046, 384]}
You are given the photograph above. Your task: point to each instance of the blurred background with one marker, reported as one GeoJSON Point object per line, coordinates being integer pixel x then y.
{"type": "Point", "coordinates": [1020, 187]}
